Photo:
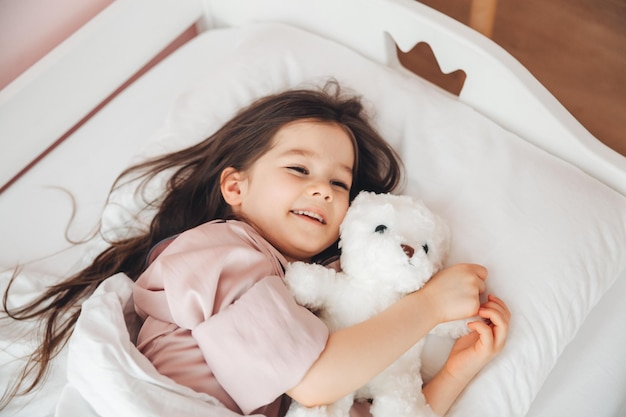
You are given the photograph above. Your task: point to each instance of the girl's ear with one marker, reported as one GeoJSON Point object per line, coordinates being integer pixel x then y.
{"type": "Point", "coordinates": [232, 185]}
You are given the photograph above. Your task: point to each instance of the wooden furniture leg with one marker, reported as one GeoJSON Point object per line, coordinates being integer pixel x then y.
{"type": "Point", "coordinates": [482, 16]}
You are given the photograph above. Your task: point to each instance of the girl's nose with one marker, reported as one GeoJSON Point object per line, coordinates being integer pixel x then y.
{"type": "Point", "coordinates": [322, 190]}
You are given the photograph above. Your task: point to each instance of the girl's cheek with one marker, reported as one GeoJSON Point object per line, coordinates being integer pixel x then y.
{"type": "Point", "coordinates": [342, 214]}
{"type": "Point", "coordinates": [345, 205]}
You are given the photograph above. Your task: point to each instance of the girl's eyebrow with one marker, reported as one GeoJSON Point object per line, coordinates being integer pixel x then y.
{"type": "Point", "coordinates": [311, 154]}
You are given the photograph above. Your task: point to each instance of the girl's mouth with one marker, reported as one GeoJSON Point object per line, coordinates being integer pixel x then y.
{"type": "Point", "coordinates": [310, 214]}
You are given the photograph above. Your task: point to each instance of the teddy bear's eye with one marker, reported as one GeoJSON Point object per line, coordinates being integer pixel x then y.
{"type": "Point", "coordinates": [381, 228]}
{"type": "Point", "coordinates": [425, 246]}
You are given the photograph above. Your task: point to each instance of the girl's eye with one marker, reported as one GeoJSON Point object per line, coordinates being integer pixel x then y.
{"type": "Point", "coordinates": [300, 170]}
{"type": "Point", "coordinates": [340, 184]}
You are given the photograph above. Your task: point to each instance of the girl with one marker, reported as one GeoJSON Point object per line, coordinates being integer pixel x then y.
{"type": "Point", "coordinates": [271, 186]}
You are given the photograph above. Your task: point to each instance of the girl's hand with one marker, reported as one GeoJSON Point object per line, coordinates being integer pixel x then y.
{"type": "Point", "coordinates": [453, 293]}
{"type": "Point", "coordinates": [473, 351]}
{"type": "Point", "coordinates": [469, 355]}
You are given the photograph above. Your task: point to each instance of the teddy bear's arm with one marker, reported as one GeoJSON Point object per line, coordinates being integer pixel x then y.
{"type": "Point", "coordinates": [453, 329]}
{"type": "Point", "coordinates": [309, 283]}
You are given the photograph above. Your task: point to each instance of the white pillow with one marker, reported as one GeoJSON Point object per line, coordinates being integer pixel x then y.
{"type": "Point", "coordinates": [551, 236]}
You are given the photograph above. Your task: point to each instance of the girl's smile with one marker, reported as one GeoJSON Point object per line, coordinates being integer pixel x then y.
{"type": "Point", "coordinates": [311, 215]}
{"type": "Point", "coordinates": [297, 193]}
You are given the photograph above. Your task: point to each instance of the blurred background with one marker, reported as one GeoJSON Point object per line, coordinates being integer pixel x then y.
{"type": "Point", "coordinates": [575, 48]}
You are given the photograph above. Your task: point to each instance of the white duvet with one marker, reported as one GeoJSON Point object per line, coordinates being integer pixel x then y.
{"type": "Point", "coordinates": [105, 374]}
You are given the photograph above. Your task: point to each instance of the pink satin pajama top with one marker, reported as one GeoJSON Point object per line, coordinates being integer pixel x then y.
{"type": "Point", "coordinates": [219, 319]}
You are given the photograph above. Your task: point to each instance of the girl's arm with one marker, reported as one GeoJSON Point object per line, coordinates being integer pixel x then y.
{"type": "Point", "coordinates": [356, 354]}
{"type": "Point", "coordinates": [469, 355]}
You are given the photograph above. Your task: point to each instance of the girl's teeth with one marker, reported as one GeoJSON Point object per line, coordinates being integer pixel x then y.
{"type": "Point", "coordinates": [310, 214]}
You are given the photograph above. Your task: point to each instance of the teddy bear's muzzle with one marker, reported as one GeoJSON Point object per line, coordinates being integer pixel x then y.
{"type": "Point", "coordinates": [408, 250]}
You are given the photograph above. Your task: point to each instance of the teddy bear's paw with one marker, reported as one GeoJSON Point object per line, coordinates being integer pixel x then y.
{"type": "Point", "coordinates": [453, 329]}
{"type": "Point", "coordinates": [306, 282]}
{"type": "Point", "coordinates": [395, 406]}
{"type": "Point", "coordinates": [341, 408]}
{"type": "Point", "coordinates": [298, 410]}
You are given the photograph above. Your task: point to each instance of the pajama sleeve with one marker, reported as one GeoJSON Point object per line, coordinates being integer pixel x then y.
{"type": "Point", "coordinates": [262, 345]}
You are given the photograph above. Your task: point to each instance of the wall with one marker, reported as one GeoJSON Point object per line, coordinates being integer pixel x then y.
{"type": "Point", "coordinates": [31, 28]}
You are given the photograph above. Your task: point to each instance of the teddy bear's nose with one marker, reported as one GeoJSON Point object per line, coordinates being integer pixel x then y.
{"type": "Point", "coordinates": [408, 250]}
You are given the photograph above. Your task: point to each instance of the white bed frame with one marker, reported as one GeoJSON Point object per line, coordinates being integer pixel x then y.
{"type": "Point", "coordinates": [69, 83]}
{"type": "Point", "coordinates": [125, 36]}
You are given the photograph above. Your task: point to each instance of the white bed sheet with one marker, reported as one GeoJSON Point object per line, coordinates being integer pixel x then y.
{"type": "Point", "coordinates": [102, 147]}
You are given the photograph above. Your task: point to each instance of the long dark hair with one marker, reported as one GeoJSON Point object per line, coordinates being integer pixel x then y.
{"type": "Point", "coordinates": [192, 197]}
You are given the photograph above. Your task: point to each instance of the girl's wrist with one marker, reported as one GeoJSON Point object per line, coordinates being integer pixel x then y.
{"type": "Point", "coordinates": [462, 376]}
{"type": "Point", "coordinates": [428, 307]}
{"type": "Point", "coordinates": [443, 390]}
{"type": "Point", "coordinates": [455, 378]}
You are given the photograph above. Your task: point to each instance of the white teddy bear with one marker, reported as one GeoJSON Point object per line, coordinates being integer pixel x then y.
{"type": "Point", "coordinates": [391, 245]}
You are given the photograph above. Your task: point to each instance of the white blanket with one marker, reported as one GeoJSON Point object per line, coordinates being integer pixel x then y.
{"type": "Point", "coordinates": [100, 372]}
{"type": "Point", "coordinates": [108, 376]}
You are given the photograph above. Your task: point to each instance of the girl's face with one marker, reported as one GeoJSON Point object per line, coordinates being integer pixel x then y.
{"type": "Point", "coordinates": [297, 194]}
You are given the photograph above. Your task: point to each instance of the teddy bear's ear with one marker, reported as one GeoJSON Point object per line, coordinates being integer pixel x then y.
{"type": "Point", "coordinates": [362, 195]}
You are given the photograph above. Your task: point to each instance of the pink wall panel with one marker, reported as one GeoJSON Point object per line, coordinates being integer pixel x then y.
{"type": "Point", "coordinates": [31, 28]}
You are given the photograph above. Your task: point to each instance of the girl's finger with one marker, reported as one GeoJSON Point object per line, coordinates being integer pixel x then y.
{"type": "Point", "coordinates": [487, 311]}
{"type": "Point", "coordinates": [497, 304]}
{"type": "Point", "coordinates": [495, 315]}
{"type": "Point", "coordinates": [485, 333]}
{"type": "Point", "coordinates": [492, 298]}
{"type": "Point", "coordinates": [498, 324]}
